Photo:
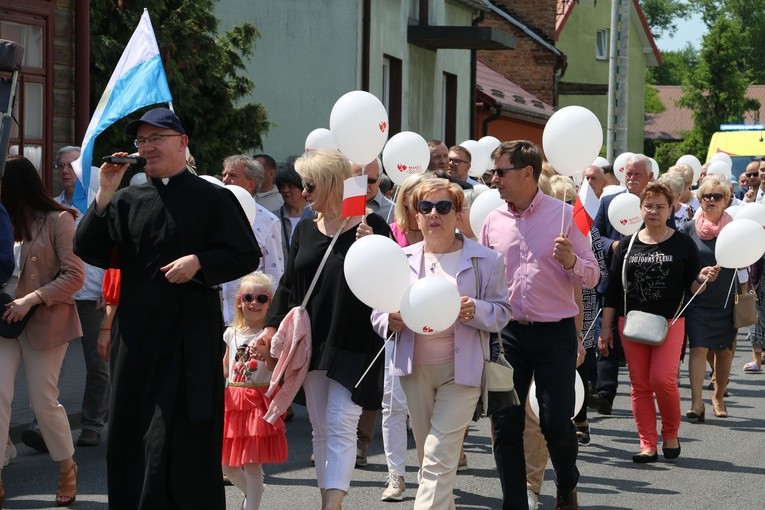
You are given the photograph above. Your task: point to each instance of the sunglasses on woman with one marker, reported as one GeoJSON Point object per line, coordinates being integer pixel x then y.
{"type": "Point", "coordinates": [712, 196]}
{"type": "Point", "coordinates": [260, 298]}
{"type": "Point", "coordinates": [442, 206]}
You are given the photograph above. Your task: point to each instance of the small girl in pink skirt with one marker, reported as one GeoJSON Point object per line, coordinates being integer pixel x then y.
{"type": "Point", "coordinates": [248, 440]}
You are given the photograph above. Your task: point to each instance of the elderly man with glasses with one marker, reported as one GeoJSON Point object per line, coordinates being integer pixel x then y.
{"type": "Point", "coordinates": [175, 239]}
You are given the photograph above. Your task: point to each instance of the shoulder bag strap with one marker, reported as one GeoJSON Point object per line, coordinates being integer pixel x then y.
{"type": "Point", "coordinates": [624, 271]}
{"type": "Point", "coordinates": [322, 263]}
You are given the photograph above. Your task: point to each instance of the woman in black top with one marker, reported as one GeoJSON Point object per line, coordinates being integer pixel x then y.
{"type": "Point", "coordinates": [661, 265]}
{"type": "Point", "coordinates": [343, 342]}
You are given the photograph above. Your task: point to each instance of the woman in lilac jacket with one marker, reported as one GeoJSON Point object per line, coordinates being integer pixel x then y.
{"type": "Point", "coordinates": [441, 373]}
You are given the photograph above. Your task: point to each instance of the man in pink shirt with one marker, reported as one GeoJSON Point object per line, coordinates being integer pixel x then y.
{"type": "Point", "coordinates": [545, 267]}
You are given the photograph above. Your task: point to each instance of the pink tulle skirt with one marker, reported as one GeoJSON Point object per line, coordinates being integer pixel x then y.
{"type": "Point", "coordinates": [247, 437]}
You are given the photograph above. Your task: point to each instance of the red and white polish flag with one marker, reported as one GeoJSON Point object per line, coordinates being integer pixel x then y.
{"type": "Point", "coordinates": [354, 196]}
{"type": "Point", "coordinates": [585, 208]}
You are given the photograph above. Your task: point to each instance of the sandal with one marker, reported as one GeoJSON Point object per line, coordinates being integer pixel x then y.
{"type": "Point", "coordinates": [752, 367]}
{"type": "Point", "coordinates": [67, 486]}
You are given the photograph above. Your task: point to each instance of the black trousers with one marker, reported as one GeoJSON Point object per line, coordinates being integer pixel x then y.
{"type": "Point", "coordinates": [546, 351]}
{"type": "Point", "coordinates": [608, 368]}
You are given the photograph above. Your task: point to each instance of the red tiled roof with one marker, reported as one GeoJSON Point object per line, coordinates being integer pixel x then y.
{"type": "Point", "coordinates": [514, 98]}
{"type": "Point", "coordinates": [674, 122]}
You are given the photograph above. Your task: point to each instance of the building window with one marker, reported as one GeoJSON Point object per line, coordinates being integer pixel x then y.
{"type": "Point", "coordinates": [28, 136]}
{"type": "Point", "coordinates": [449, 109]}
{"type": "Point", "coordinates": [601, 44]}
{"type": "Point", "coordinates": [392, 92]}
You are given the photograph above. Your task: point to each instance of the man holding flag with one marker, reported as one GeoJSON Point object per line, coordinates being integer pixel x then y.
{"type": "Point", "coordinates": [166, 417]}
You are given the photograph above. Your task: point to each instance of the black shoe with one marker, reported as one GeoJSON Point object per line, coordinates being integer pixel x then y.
{"type": "Point", "coordinates": [671, 453]}
{"type": "Point", "coordinates": [583, 434]}
{"type": "Point", "coordinates": [601, 403]}
{"type": "Point", "coordinates": [89, 437]}
{"type": "Point", "coordinates": [645, 458]}
{"type": "Point", "coordinates": [567, 501]}
{"type": "Point", "coordinates": [34, 440]}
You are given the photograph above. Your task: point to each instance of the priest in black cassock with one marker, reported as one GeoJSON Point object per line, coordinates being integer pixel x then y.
{"type": "Point", "coordinates": [176, 237]}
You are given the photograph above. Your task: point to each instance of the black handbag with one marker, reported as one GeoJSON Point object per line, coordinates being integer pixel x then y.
{"type": "Point", "coordinates": [12, 329]}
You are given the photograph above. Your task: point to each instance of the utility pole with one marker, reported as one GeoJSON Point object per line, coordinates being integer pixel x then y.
{"type": "Point", "coordinates": [618, 65]}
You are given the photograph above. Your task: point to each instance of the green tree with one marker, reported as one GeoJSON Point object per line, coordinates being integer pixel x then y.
{"type": "Point", "coordinates": [663, 15]}
{"type": "Point", "coordinates": [676, 66]}
{"type": "Point", "coordinates": [653, 102]}
{"type": "Point", "coordinates": [204, 71]}
{"type": "Point", "coordinates": [716, 90]}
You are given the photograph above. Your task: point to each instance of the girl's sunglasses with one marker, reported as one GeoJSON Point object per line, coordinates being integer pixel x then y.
{"type": "Point", "coordinates": [260, 298]}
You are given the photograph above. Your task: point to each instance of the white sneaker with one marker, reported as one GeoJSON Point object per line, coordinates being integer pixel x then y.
{"type": "Point", "coordinates": [10, 453]}
{"type": "Point", "coordinates": [533, 499]}
{"type": "Point", "coordinates": [395, 489]}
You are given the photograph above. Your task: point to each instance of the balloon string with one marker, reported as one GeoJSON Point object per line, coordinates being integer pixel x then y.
{"type": "Point", "coordinates": [678, 314]}
{"type": "Point", "coordinates": [729, 289]}
{"type": "Point", "coordinates": [594, 319]}
{"type": "Point", "coordinates": [374, 360]}
{"type": "Point", "coordinates": [395, 197]}
{"type": "Point", "coordinates": [563, 211]}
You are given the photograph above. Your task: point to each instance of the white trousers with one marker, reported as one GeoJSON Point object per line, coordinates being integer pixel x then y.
{"type": "Point", "coordinates": [42, 370]}
{"type": "Point", "coordinates": [334, 419]}
{"type": "Point", "coordinates": [394, 412]}
{"type": "Point", "coordinates": [440, 411]}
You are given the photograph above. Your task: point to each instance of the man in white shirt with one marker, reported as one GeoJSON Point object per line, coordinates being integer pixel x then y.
{"type": "Point", "coordinates": [90, 308]}
{"type": "Point", "coordinates": [244, 171]}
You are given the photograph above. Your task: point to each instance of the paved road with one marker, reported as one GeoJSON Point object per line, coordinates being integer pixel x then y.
{"type": "Point", "coordinates": [722, 464]}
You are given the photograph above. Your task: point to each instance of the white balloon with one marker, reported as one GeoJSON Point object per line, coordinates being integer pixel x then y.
{"type": "Point", "coordinates": [572, 138]}
{"type": "Point", "coordinates": [430, 305]}
{"type": "Point", "coordinates": [612, 189]}
{"type": "Point", "coordinates": [741, 243]}
{"type": "Point", "coordinates": [382, 288]}
{"type": "Point", "coordinates": [479, 158]}
{"type": "Point", "coordinates": [138, 179]}
{"type": "Point", "coordinates": [624, 214]}
{"type": "Point", "coordinates": [753, 211]}
{"type": "Point", "coordinates": [359, 126]}
{"type": "Point", "coordinates": [406, 153]}
{"type": "Point", "coordinates": [722, 156]}
{"type": "Point", "coordinates": [619, 163]}
{"type": "Point", "coordinates": [654, 168]}
{"type": "Point", "coordinates": [600, 161]}
{"type": "Point", "coordinates": [480, 188]}
{"type": "Point", "coordinates": [490, 143]}
{"type": "Point", "coordinates": [319, 138]}
{"type": "Point", "coordinates": [482, 206]}
{"type": "Point", "coordinates": [720, 168]}
{"type": "Point", "coordinates": [578, 398]}
{"type": "Point", "coordinates": [211, 179]}
{"type": "Point", "coordinates": [693, 162]}
{"type": "Point", "coordinates": [245, 200]}
{"type": "Point", "coordinates": [733, 210]}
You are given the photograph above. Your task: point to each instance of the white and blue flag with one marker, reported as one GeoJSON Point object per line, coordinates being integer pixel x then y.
{"type": "Point", "coordinates": [138, 80]}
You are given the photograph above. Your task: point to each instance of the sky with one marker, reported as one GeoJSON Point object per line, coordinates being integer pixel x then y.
{"type": "Point", "coordinates": [691, 30]}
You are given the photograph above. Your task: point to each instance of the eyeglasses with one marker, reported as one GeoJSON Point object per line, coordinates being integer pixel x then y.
{"type": "Point", "coordinates": [712, 196]}
{"type": "Point", "coordinates": [151, 140]}
{"type": "Point", "coordinates": [60, 166]}
{"type": "Point", "coordinates": [260, 298]}
{"type": "Point", "coordinates": [654, 207]}
{"type": "Point", "coordinates": [442, 207]}
{"type": "Point", "coordinates": [309, 187]}
{"type": "Point", "coordinates": [371, 181]}
{"type": "Point", "coordinates": [456, 161]}
{"type": "Point", "coordinates": [500, 172]}
{"type": "Point", "coordinates": [752, 174]}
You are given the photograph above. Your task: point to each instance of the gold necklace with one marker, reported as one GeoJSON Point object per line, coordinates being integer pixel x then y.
{"type": "Point", "coordinates": [666, 233]}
